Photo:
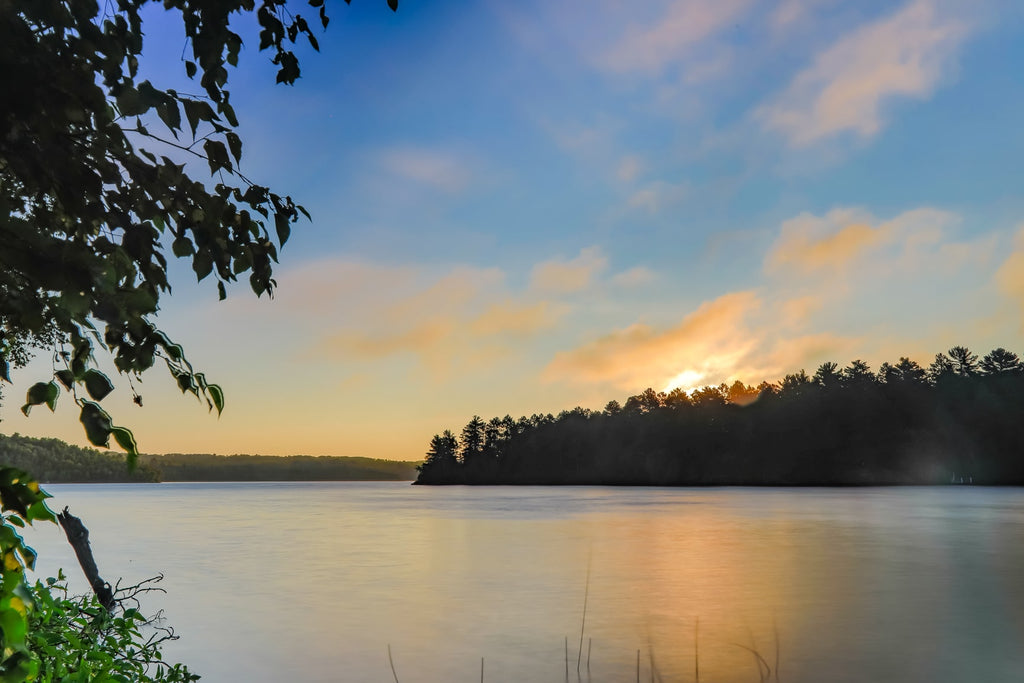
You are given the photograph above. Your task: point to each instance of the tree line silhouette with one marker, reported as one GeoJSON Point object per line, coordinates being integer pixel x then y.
{"type": "Point", "coordinates": [960, 420]}
{"type": "Point", "coordinates": [54, 461]}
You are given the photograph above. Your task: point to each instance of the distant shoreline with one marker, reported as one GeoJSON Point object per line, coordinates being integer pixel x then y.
{"type": "Point", "coordinates": [52, 461]}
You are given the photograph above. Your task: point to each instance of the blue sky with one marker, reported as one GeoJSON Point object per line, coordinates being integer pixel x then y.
{"type": "Point", "coordinates": [521, 207]}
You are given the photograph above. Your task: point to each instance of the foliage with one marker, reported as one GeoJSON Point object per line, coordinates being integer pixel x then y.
{"type": "Point", "coordinates": [52, 460]}
{"type": "Point", "coordinates": [21, 502]}
{"type": "Point", "coordinates": [76, 639]}
{"type": "Point", "coordinates": [96, 193]}
{"type": "Point", "coordinates": [959, 420]}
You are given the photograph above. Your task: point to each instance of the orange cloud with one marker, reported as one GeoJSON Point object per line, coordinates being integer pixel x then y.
{"type": "Point", "coordinates": [843, 238]}
{"type": "Point", "coordinates": [802, 245]}
{"type": "Point", "coordinates": [641, 355]}
{"type": "Point", "coordinates": [509, 317]}
{"type": "Point", "coordinates": [1010, 276]}
{"type": "Point", "coordinates": [569, 276]}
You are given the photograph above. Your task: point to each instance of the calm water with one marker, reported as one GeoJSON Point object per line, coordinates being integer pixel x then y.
{"type": "Point", "coordinates": [312, 582]}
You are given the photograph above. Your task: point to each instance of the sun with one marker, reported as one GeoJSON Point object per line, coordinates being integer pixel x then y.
{"type": "Point", "coordinates": [687, 380]}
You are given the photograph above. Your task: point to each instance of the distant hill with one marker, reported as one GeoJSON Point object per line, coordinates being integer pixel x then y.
{"type": "Point", "coordinates": [54, 461]}
{"type": "Point", "coordinates": [204, 467]}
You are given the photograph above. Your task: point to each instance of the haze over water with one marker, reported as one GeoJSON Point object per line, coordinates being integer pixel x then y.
{"type": "Point", "coordinates": [312, 582]}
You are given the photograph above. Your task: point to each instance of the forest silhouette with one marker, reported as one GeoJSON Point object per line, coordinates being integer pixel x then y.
{"type": "Point", "coordinates": [957, 421]}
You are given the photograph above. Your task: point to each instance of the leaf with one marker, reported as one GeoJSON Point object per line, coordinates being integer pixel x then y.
{"type": "Point", "coordinates": [65, 377]}
{"type": "Point", "coordinates": [41, 392]}
{"type": "Point", "coordinates": [97, 423]}
{"type": "Point", "coordinates": [126, 440]}
{"type": "Point", "coordinates": [182, 247]}
{"type": "Point", "coordinates": [221, 291]}
{"type": "Point", "coordinates": [190, 69]}
{"type": "Point", "coordinates": [217, 394]}
{"type": "Point", "coordinates": [217, 156]}
{"type": "Point", "coordinates": [393, 4]}
{"type": "Point", "coordinates": [235, 144]}
{"type": "Point", "coordinates": [284, 229]}
{"type": "Point", "coordinates": [5, 370]}
{"type": "Point", "coordinates": [196, 111]}
{"type": "Point", "coordinates": [97, 384]}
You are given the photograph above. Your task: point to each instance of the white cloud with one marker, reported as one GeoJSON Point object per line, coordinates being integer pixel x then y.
{"type": "Point", "coordinates": [656, 196]}
{"type": "Point", "coordinates": [684, 25]}
{"type": "Point", "coordinates": [634, 277]}
{"type": "Point", "coordinates": [905, 54]}
{"type": "Point", "coordinates": [629, 168]}
{"type": "Point", "coordinates": [438, 169]}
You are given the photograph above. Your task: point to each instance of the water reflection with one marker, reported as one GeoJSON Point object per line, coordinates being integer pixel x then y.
{"type": "Point", "coordinates": [313, 581]}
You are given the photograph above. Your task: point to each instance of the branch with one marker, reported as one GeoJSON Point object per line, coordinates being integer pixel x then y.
{"type": "Point", "coordinates": [78, 537]}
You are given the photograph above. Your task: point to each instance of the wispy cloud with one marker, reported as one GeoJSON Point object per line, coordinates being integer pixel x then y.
{"type": "Point", "coordinates": [574, 275]}
{"type": "Point", "coordinates": [682, 26]}
{"type": "Point", "coordinates": [905, 54]}
{"type": "Point", "coordinates": [1010, 276]}
{"type": "Point", "coordinates": [442, 170]}
{"type": "Point", "coordinates": [634, 277]}
{"type": "Point", "coordinates": [659, 195]}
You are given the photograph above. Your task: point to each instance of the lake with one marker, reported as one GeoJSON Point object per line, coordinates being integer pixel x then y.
{"type": "Point", "coordinates": [313, 581]}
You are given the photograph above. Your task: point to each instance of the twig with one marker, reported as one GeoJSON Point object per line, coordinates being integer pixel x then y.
{"type": "Point", "coordinates": [392, 663]}
{"type": "Point", "coordinates": [761, 661]}
{"type": "Point", "coordinates": [775, 633]}
{"type": "Point", "coordinates": [583, 621]}
{"type": "Point", "coordinates": [481, 670]}
{"type": "Point", "coordinates": [590, 643]}
{"type": "Point", "coordinates": [638, 665]}
{"type": "Point", "coordinates": [696, 650]}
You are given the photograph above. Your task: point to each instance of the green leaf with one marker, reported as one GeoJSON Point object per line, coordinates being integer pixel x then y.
{"type": "Point", "coordinates": [217, 394]}
{"type": "Point", "coordinates": [126, 440]}
{"type": "Point", "coordinates": [97, 423]}
{"type": "Point", "coordinates": [235, 144]}
{"type": "Point", "coordinates": [284, 229]}
{"type": "Point", "coordinates": [97, 384]}
{"type": "Point", "coordinates": [182, 247]}
{"type": "Point", "coordinates": [41, 392]}
{"type": "Point", "coordinates": [65, 377]}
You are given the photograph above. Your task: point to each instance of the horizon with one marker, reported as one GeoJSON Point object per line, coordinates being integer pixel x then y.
{"type": "Point", "coordinates": [520, 210]}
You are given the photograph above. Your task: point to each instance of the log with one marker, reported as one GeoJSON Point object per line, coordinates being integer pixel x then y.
{"type": "Point", "coordinates": [78, 537]}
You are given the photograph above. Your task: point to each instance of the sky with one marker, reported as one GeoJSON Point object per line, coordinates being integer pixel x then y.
{"type": "Point", "coordinates": [523, 207]}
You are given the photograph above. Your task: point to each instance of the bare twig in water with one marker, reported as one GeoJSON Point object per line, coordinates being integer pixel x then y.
{"type": "Point", "coordinates": [696, 650]}
{"type": "Point", "coordinates": [764, 671]}
{"type": "Point", "coordinates": [481, 670]}
{"type": "Point", "coordinates": [392, 663]}
{"type": "Point", "coordinates": [590, 643]}
{"type": "Point", "coordinates": [583, 622]}
{"type": "Point", "coordinates": [775, 633]}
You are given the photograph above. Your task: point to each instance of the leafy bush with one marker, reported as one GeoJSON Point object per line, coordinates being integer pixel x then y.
{"type": "Point", "coordinates": [76, 639]}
